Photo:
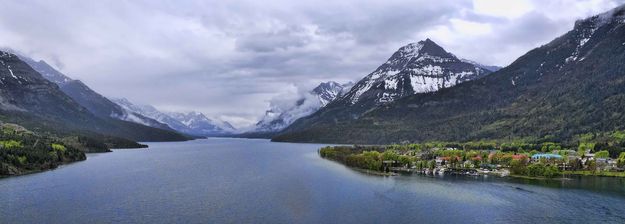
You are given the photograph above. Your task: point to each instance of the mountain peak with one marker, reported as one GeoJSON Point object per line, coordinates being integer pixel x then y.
{"type": "Point", "coordinates": [426, 46]}
{"type": "Point", "coordinates": [616, 14]}
{"type": "Point", "coordinates": [414, 68]}
{"type": "Point", "coordinates": [328, 91]}
{"type": "Point", "coordinates": [198, 115]}
{"type": "Point", "coordinates": [281, 115]}
{"type": "Point", "coordinates": [325, 85]}
{"type": "Point", "coordinates": [424, 50]}
{"type": "Point", "coordinates": [613, 15]}
{"type": "Point", "coordinates": [427, 41]}
{"type": "Point", "coordinates": [433, 49]}
{"type": "Point", "coordinates": [583, 33]}
{"type": "Point", "coordinates": [42, 67]}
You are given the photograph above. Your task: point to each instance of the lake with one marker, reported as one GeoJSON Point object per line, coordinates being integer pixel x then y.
{"type": "Point", "coordinates": [220, 180]}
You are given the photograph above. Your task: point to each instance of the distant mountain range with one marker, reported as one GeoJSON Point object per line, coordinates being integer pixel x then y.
{"type": "Point", "coordinates": [192, 123]}
{"type": "Point", "coordinates": [29, 99]}
{"type": "Point", "coordinates": [200, 124]}
{"type": "Point", "coordinates": [573, 85]}
{"type": "Point", "coordinates": [88, 98]}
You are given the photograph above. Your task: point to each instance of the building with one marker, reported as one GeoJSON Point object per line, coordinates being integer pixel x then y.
{"type": "Point", "coordinates": [547, 156]}
{"type": "Point", "coordinates": [521, 157]}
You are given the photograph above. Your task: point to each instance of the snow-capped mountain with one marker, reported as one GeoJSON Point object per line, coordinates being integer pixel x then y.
{"type": "Point", "coordinates": [328, 91]}
{"type": "Point", "coordinates": [192, 123]}
{"type": "Point", "coordinates": [202, 125]}
{"type": "Point", "coordinates": [283, 112]}
{"type": "Point", "coordinates": [151, 112]}
{"type": "Point", "coordinates": [415, 68]}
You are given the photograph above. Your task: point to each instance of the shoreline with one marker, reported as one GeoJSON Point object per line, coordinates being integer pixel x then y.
{"type": "Point", "coordinates": [562, 177]}
{"type": "Point", "coordinates": [373, 172]}
{"type": "Point", "coordinates": [29, 172]}
{"type": "Point", "coordinates": [110, 150]}
{"type": "Point", "coordinates": [538, 178]}
{"type": "Point", "coordinates": [596, 174]}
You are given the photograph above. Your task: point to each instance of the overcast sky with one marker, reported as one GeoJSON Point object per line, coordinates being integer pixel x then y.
{"type": "Point", "coordinates": [227, 59]}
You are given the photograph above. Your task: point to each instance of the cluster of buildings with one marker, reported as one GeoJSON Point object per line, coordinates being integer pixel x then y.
{"type": "Point", "coordinates": [499, 163]}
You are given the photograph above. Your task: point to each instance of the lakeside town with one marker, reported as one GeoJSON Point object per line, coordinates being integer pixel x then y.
{"type": "Point", "coordinates": [544, 160]}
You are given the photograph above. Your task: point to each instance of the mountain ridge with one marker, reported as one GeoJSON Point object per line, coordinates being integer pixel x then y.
{"type": "Point", "coordinates": [192, 123]}
{"type": "Point", "coordinates": [87, 97]}
{"type": "Point", "coordinates": [28, 99]}
{"type": "Point", "coordinates": [518, 101]}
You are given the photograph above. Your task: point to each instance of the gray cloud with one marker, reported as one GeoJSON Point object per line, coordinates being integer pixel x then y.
{"type": "Point", "coordinates": [291, 37]}
{"type": "Point", "coordinates": [228, 59]}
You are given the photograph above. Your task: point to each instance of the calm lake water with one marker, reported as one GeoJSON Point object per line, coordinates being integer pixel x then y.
{"type": "Point", "coordinates": [257, 181]}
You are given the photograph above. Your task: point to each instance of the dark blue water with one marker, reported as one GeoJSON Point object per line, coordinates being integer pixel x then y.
{"type": "Point", "coordinates": [256, 181]}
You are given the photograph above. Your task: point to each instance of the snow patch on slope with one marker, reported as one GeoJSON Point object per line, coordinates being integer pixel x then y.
{"type": "Point", "coordinates": [586, 28]}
